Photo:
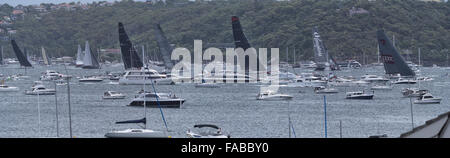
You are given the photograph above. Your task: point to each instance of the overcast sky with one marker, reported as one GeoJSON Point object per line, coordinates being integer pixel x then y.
{"type": "Point", "coordinates": [31, 2]}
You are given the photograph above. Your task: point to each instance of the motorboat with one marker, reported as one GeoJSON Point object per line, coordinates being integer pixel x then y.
{"type": "Point", "coordinates": [50, 75]}
{"type": "Point", "coordinates": [404, 81]}
{"type": "Point", "coordinates": [39, 89]}
{"type": "Point", "coordinates": [90, 79]}
{"type": "Point", "coordinates": [342, 82]}
{"type": "Point", "coordinates": [5, 88]}
{"type": "Point", "coordinates": [373, 78]}
{"type": "Point", "coordinates": [413, 92]}
{"type": "Point", "coordinates": [325, 90]}
{"type": "Point", "coordinates": [427, 98]}
{"type": "Point", "coordinates": [115, 76]}
{"type": "Point", "coordinates": [113, 95]}
{"type": "Point", "coordinates": [360, 83]}
{"type": "Point", "coordinates": [211, 131]}
{"type": "Point", "coordinates": [270, 95]}
{"type": "Point", "coordinates": [424, 78]}
{"type": "Point", "coordinates": [135, 132]}
{"type": "Point", "coordinates": [309, 80]}
{"type": "Point", "coordinates": [358, 95]}
{"type": "Point", "coordinates": [381, 87]}
{"type": "Point", "coordinates": [155, 100]}
{"type": "Point", "coordinates": [146, 76]}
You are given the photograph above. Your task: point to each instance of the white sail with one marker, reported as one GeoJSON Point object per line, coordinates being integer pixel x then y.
{"type": "Point", "coordinates": [90, 59]}
{"type": "Point", "coordinates": [79, 61]}
{"type": "Point", "coordinates": [87, 61]}
{"type": "Point", "coordinates": [44, 57]}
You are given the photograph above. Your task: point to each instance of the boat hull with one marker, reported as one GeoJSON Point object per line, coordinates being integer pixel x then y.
{"type": "Point", "coordinates": [162, 103]}
{"type": "Point", "coordinates": [81, 80]}
{"type": "Point", "coordinates": [275, 98]}
{"type": "Point", "coordinates": [130, 134]}
{"type": "Point", "coordinates": [434, 101]}
{"type": "Point", "coordinates": [10, 89]}
{"type": "Point", "coordinates": [365, 97]}
{"type": "Point", "coordinates": [40, 93]}
{"type": "Point", "coordinates": [166, 81]}
{"type": "Point", "coordinates": [113, 97]}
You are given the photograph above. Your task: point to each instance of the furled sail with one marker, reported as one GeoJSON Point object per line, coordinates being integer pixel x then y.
{"type": "Point", "coordinates": [129, 55]}
{"type": "Point", "coordinates": [20, 56]}
{"type": "Point", "coordinates": [165, 48]}
{"type": "Point", "coordinates": [143, 120]}
{"type": "Point", "coordinates": [392, 60]}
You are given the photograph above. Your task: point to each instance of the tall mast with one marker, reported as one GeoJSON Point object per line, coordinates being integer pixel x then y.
{"type": "Point", "coordinates": [287, 55]}
{"type": "Point", "coordinates": [393, 40]}
{"type": "Point", "coordinates": [419, 57]}
{"type": "Point", "coordinates": [1, 56]}
{"type": "Point", "coordinates": [39, 116]}
{"type": "Point", "coordinates": [378, 52]}
{"type": "Point", "coordinates": [143, 56]}
{"type": "Point", "coordinates": [145, 101]}
{"type": "Point", "coordinates": [56, 113]}
{"type": "Point", "coordinates": [294, 56]}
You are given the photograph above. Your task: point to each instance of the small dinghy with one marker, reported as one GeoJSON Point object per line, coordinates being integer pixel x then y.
{"type": "Point", "coordinates": [90, 79]}
{"type": "Point", "coordinates": [113, 95]}
{"type": "Point", "coordinates": [5, 88]}
{"type": "Point", "coordinates": [324, 90]}
{"type": "Point", "coordinates": [212, 131]}
{"type": "Point", "coordinates": [413, 92]}
{"type": "Point", "coordinates": [270, 95]}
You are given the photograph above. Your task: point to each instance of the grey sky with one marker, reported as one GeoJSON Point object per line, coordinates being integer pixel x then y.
{"type": "Point", "coordinates": [31, 2]}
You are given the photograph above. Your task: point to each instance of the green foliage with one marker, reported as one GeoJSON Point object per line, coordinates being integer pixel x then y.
{"type": "Point", "coordinates": [267, 23]}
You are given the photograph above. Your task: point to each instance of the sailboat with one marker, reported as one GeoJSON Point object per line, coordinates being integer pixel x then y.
{"type": "Point", "coordinates": [79, 61]}
{"type": "Point", "coordinates": [129, 55]}
{"type": "Point", "coordinates": [241, 41]}
{"type": "Point", "coordinates": [321, 56]}
{"type": "Point", "coordinates": [20, 56]}
{"type": "Point", "coordinates": [138, 133]}
{"type": "Point", "coordinates": [392, 60]}
{"type": "Point", "coordinates": [90, 59]}
{"type": "Point", "coordinates": [45, 57]}
{"type": "Point", "coordinates": [165, 48]}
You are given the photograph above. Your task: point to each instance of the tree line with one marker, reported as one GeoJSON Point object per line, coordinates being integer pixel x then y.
{"type": "Point", "coordinates": [267, 23]}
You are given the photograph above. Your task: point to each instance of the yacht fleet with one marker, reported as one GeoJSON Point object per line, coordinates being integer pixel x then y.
{"type": "Point", "coordinates": [138, 72]}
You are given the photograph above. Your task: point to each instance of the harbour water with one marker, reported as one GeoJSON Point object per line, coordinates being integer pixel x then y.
{"type": "Point", "coordinates": [233, 107]}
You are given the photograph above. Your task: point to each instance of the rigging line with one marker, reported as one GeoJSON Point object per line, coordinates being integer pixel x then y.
{"type": "Point", "coordinates": [157, 101]}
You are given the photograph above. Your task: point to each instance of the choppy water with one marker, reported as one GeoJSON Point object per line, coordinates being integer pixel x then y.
{"type": "Point", "coordinates": [233, 107]}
